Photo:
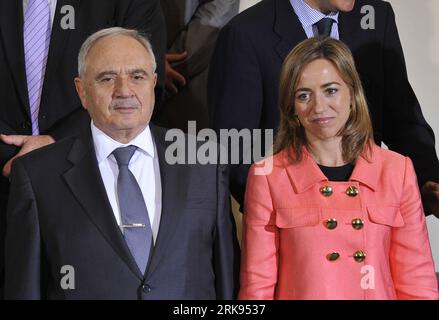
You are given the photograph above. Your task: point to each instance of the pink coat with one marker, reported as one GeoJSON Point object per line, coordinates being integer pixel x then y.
{"type": "Point", "coordinates": [375, 247]}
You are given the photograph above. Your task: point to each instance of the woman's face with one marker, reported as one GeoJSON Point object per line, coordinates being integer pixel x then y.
{"type": "Point", "coordinates": [322, 101]}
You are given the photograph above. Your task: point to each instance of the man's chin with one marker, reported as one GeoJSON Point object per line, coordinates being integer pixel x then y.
{"type": "Point", "coordinates": [348, 5]}
{"type": "Point", "coordinates": [344, 6]}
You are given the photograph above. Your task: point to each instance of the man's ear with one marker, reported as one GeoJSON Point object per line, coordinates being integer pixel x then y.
{"type": "Point", "coordinates": [79, 85]}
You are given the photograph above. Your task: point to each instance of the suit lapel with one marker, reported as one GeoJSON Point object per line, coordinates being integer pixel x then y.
{"type": "Point", "coordinates": [59, 39]}
{"type": "Point", "coordinates": [288, 27]}
{"type": "Point", "coordinates": [85, 182]}
{"type": "Point", "coordinates": [174, 191]}
{"type": "Point", "coordinates": [349, 28]}
{"type": "Point", "coordinates": [11, 27]}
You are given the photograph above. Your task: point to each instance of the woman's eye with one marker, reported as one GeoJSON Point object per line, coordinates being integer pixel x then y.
{"type": "Point", "coordinates": [303, 97]}
{"type": "Point", "coordinates": [331, 91]}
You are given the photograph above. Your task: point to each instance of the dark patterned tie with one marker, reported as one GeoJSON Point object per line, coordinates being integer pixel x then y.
{"type": "Point", "coordinates": [134, 214]}
{"type": "Point", "coordinates": [324, 26]}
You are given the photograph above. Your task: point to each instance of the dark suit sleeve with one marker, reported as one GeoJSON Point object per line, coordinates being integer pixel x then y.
{"type": "Point", "coordinates": [23, 252]}
{"type": "Point", "coordinates": [198, 39]}
{"type": "Point", "coordinates": [226, 247]}
{"type": "Point", "coordinates": [405, 129]}
{"type": "Point", "coordinates": [6, 151]}
{"type": "Point", "coordinates": [147, 16]}
{"type": "Point", "coordinates": [75, 123]}
{"type": "Point", "coordinates": [235, 95]}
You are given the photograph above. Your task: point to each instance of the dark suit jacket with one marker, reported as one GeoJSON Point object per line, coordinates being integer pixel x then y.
{"type": "Point", "coordinates": [245, 69]}
{"type": "Point", "coordinates": [192, 26]}
{"type": "Point", "coordinates": [59, 214]}
{"type": "Point", "coordinates": [61, 114]}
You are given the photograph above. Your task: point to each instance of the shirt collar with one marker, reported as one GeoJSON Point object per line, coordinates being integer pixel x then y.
{"type": "Point", "coordinates": [309, 16]}
{"type": "Point", "coordinates": [104, 145]}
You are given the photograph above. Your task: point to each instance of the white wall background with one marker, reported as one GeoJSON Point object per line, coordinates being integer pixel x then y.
{"type": "Point", "coordinates": [419, 33]}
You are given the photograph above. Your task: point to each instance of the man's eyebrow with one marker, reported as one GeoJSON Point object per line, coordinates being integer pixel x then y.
{"type": "Point", "coordinates": [138, 70]}
{"type": "Point", "coordinates": [102, 74]}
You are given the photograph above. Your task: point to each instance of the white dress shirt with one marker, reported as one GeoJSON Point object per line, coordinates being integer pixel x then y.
{"type": "Point", "coordinates": [144, 165]}
{"type": "Point", "coordinates": [52, 7]}
{"type": "Point", "coordinates": [309, 16]}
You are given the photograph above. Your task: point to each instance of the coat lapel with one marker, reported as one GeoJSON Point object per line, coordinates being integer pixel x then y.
{"type": "Point", "coordinates": [85, 182]}
{"type": "Point", "coordinates": [303, 175]}
{"type": "Point", "coordinates": [288, 27]}
{"type": "Point", "coordinates": [368, 168]}
{"type": "Point", "coordinates": [59, 39]}
{"type": "Point", "coordinates": [306, 173]}
{"type": "Point", "coordinates": [174, 180]}
{"type": "Point", "coordinates": [11, 28]}
{"type": "Point", "coordinates": [349, 28]}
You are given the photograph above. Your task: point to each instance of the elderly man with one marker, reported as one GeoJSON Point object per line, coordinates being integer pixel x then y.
{"type": "Point", "coordinates": [40, 41]}
{"type": "Point", "coordinates": [108, 209]}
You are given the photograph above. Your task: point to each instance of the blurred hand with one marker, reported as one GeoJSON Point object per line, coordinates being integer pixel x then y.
{"type": "Point", "coordinates": [26, 144]}
{"type": "Point", "coordinates": [430, 197]}
{"type": "Point", "coordinates": [174, 80]}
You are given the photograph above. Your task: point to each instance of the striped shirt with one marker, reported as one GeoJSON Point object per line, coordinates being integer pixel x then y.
{"type": "Point", "coordinates": [309, 16]}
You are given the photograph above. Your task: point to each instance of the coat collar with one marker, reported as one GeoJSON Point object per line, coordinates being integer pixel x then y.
{"type": "Point", "coordinates": [307, 173]}
{"type": "Point", "coordinates": [349, 27]}
{"type": "Point", "coordinates": [368, 169]}
{"type": "Point", "coordinates": [60, 37]}
{"type": "Point", "coordinates": [288, 27]}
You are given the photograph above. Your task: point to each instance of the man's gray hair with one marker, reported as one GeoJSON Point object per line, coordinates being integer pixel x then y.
{"type": "Point", "coordinates": [112, 32]}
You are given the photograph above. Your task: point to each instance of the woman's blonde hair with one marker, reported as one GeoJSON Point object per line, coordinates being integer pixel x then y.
{"type": "Point", "coordinates": [357, 133]}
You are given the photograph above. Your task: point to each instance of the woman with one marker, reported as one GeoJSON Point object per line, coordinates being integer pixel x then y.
{"type": "Point", "coordinates": [336, 217]}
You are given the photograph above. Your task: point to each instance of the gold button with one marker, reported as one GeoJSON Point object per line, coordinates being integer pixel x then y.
{"type": "Point", "coordinates": [357, 224]}
{"type": "Point", "coordinates": [359, 256]}
{"type": "Point", "coordinates": [352, 191]}
{"type": "Point", "coordinates": [326, 191]}
{"type": "Point", "coordinates": [332, 256]}
{"type": "Point", "coordinates": [331, 224]}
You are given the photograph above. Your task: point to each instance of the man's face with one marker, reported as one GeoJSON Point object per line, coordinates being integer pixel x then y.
{"type": "Point", "coordinates": [117, 87]}
{"type": "Point", "coordinates": [327, 6]}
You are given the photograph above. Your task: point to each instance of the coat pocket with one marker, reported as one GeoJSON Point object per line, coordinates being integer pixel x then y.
{"type": "Point", "coordinates": [386, 215]}
{"type": "Point", "coordinates": [297, 217]}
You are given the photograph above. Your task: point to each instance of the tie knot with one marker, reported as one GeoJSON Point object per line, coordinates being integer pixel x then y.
{"type": "Point", "coordinates": [123, 155]}
{"type": "Point", "coordinates": [324, 26]}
